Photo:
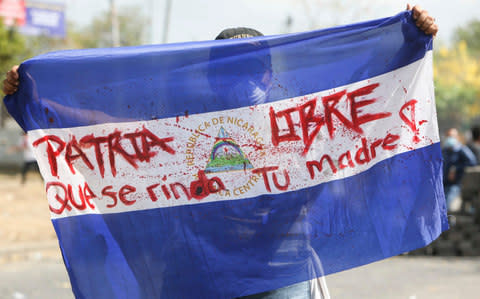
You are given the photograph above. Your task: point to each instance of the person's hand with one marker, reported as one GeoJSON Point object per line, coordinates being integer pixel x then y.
{"type": "Point", "coordinates": [10, 84]}
{"type": "Point", "coordinates": [423, 20]}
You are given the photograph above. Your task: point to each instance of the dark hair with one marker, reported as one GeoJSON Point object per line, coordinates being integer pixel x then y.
{"type": "Point", "coordinates": [476, 133]}
{"type": "Point", "coordinates": [239, 32]}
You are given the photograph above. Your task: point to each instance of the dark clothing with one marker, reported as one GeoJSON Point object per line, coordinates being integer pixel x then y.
{"type": "Point", "coordinates": [475, 148]}
{"type": "Point", "coordinates": [27, 165]}
{"type": "Point", "coordinates": [455, 161]}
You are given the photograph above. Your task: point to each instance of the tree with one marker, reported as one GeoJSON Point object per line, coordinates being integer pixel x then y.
{"type": "Point", "coordinates": [470, 34]}
{"type": "Point", "coordinates": [12, 47]}
{"type": "Point", "coordinates": [12, 50]}
{"type": "Point", "coordinates": [457, 78]}
{"type": "Point", "coordinates": [457, 81]}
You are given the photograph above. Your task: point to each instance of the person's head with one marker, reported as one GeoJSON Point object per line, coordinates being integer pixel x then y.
{"type": "Point", "coordinates": [239, 32]}
{"type": "Point", "coordinates": [247, 73]}
{"type": "Point", "coordinates": [451, 139]}
{"type": "Point", "coordinates": [476, 133]}
{"type": "Point", "coordinates": [452, 132]}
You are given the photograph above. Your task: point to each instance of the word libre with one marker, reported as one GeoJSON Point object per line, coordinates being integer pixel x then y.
{"type": "Point", "coordinates": [310, 122]}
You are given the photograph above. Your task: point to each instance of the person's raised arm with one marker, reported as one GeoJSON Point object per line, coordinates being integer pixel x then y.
{"type": "Point", "coordinates": [10, 84]}
{"type": "Point", "coordinates": [423, 20]}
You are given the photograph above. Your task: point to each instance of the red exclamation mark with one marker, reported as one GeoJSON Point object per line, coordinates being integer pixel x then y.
{"type": "Point", "coordinates": [410, 105]}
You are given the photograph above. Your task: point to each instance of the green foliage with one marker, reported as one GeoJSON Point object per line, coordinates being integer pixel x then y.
{"type": "Point", "coordinates": [470, 34]}
{"type": "Point", "coordinates": [12, 51]}
{"type": "Point", "coordinates": [12, 48]}
{"type": "Point", "coordinates": [457, 78]}
{"type": "Point", "coordinates": [457, 82]}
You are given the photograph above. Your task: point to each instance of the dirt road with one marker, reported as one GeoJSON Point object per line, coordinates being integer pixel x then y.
{"type": "Point", "coordinates": [24, 219]}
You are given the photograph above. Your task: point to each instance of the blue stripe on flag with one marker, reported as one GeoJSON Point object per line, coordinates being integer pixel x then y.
{"type": "Point", "coordinates": [234, 248]}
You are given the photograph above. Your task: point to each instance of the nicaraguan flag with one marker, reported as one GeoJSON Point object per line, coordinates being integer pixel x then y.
{"type": "Point", "coordinates": [221, 169]}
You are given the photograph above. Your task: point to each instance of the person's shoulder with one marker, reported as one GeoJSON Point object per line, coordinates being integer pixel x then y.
{"type": "Point", "coordinates": [466, 147]}
{"type": "Point", "coordinates": [469, 155]}
{"type": "Point", "coordinates": [472, 146]}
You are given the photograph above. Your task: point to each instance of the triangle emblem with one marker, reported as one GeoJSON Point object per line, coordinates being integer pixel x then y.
{"type": "Point", "coordinates": [226, 155]}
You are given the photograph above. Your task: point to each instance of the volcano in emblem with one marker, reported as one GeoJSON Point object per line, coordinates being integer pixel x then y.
{"type": "Point", "coordinates": [226, 155]}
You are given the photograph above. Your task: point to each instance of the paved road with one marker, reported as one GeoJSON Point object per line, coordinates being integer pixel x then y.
{"type": "Point", "coordinates": [410, 278]}
{"type": "Point", "coordinates": [399, 277]}
{"type": "Point", "coordinates": [34, 279]}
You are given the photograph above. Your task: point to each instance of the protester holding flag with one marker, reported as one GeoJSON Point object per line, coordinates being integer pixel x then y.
{"type": "Point", "coordinates": [275, 239]}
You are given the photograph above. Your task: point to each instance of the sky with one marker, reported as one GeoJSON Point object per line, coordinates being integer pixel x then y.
{"type": "Point", "coordinates": [193, 20]}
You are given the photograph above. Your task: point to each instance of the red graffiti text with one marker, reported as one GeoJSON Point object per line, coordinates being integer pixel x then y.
{"type": "Point", "coordinates": [311, 121]}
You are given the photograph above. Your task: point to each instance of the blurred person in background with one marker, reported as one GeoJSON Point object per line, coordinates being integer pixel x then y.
{"type": "Point", "coordinates": [474, 144]}
{"type": "Point", "coordinates": [456, 157]}
{"type": "Point", "coordinates": [29, 161]}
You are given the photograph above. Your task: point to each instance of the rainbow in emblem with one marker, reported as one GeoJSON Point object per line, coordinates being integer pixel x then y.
{"type": "Point", "coordinates": [226, 155]}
